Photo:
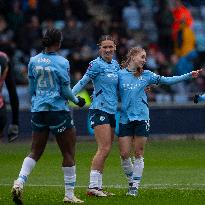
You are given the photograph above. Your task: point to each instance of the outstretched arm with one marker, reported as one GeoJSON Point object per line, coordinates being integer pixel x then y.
{"type": "Point", "coordinates": [81, 84]}
{"type": "Point", "coordinates": [176, 79]}
{"type": "Point", "coordinates": [67, 93]}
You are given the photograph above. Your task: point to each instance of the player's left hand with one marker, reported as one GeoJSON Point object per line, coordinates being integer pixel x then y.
{"type": "Point", "coordinates": [195, 74]}
{"type": "Point", "coordinates": [13, 132]}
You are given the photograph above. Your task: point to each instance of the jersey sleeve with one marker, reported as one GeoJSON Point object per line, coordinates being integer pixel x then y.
{"type": "Point", "coordinates": [174, 79]}
{"type": "Point", "coordinates": [154, 78]}
{"type": "Point", "coordinates": [93, 70]}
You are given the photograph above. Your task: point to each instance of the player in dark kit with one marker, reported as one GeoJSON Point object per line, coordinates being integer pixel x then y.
{"type": "Point", "coordinates": [6, 76]}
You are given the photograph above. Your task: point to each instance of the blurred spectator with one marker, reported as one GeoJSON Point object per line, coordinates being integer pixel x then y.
{"type": "Point", "coordinates": [199, 30]}
{"type": "Point", "coordinates": [180, 12]}
{"type": "Point", "coordinates": [6, 37]}
{"type": "Point", "coordinates": [131, 16]}
{"type": "Point", "coordinates": [15, 16]}
{"type": "Point", "coordinates": [164, 20]}
{"type": "Point", "coordinates": [185, 40]}
{"type": "Point", "coordinates": [29, 37]}
{"type": "Point", "coordinates": [71, 34]}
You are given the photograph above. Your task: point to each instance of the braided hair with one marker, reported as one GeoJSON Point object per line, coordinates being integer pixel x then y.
{"type": "Point", "coordinates": [51, 37]}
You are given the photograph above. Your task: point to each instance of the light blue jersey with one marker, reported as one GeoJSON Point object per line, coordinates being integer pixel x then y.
{"type": "Point", "coordinates": [104, 77]}
{"type": "Point", "coordinates": [133, 97]}
{"type": "Point", "coordinates": [48, 73]}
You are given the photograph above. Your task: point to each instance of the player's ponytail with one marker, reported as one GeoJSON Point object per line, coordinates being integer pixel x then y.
{"type": "Point", "coordinates": [51, 37]}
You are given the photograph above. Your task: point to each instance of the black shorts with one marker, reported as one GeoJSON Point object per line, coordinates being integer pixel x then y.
{"type": "Point", "coordinates": [99, 117]}
{"type": "Point", "coordinates": [3, 117]}
{"type": "Point", "coordinates": [134, 128]}
{"type": "Point", "coordinates": [55, 121]}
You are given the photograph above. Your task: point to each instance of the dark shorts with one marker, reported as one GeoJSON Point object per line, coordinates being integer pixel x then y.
{"type": "Point", "coordinates": [98, 117]}
{"type": "Point", "coordinates": [3, 117]}
{"type": "Point", "coordinates": [134, 128]}
{"type": "Point", "coordinates": [55, 121]}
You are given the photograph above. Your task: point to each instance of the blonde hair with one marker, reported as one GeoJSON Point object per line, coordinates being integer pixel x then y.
{"type": "Point", "coordinates": [132, 52]}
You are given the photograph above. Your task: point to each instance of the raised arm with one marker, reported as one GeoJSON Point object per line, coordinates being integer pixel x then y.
{"type": "Point", "coordinates": [176, 79]}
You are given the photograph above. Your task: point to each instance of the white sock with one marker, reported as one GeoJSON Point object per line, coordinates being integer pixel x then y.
{"type": "Point", "coordinates": [100, 180]}
{"type": "Point", "coordinates": [27, 167]}
{"type": "Point", "coordinates": [94, 177]}
{"type": "Point", "coordinates": [69, 180]}
{"type": "Point", "coordinates": [137, 171]}
{"type": "Point", "coordinates": [128, 169]}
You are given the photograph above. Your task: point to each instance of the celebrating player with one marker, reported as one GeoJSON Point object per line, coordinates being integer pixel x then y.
{"type": "Point", "coordinates": [103, 71]}
{"type": "Point", "coordinates": [49, 83]}
{"type": "Point", "coordinates": [134, 122]}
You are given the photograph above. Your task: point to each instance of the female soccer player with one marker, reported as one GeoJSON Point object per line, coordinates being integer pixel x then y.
{"type": "Point", "coordinates": [134, 122]}
{"type": "Point", "coordinates": [49, 83]}
{"type": "Point", "coordinates": [103, 71]}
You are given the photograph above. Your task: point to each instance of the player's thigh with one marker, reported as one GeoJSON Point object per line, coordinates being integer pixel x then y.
{"type": "Point", "coordinates": [39, 141]}
{"type": "Point", "coordinates": [66, 141]}
{"type": "Point", "coordinates": [103, 135]}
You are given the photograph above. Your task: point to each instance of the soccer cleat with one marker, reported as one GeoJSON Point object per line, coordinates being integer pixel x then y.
{"type": "Point", "coordinates": [17, 193]}
{"type": "Point", "coordinates": [74, 200]}
{"type": "Point", "coordinates": [196, 99]}
{"type": "Point", "coordinates": [95, 192]}
{"type": "Point", "coordinates": [107, 193]}
{"type": "Point", "coordinates": [132, 191]}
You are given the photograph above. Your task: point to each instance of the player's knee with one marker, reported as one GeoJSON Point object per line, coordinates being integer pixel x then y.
{"type": "Point", "coordinates": [104, 151]}
{"type": "Point", "coordinates": [124, 154]}
{"type": "Point", "coordinates": [139, 152]}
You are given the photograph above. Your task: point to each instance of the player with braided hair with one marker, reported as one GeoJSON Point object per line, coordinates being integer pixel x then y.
{"type": "Point", "coordinates": [49, 83]}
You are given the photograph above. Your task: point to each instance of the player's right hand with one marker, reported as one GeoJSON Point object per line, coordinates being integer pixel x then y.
{"type": "Point", "coordinates": [81, 101]}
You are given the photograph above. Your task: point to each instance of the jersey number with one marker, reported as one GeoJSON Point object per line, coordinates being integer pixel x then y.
{"type": "Point", "coordinates": [45, 78]}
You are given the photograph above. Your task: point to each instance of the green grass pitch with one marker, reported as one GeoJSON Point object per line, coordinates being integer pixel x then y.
{"type": "Point", "coordinates": [174, 174]}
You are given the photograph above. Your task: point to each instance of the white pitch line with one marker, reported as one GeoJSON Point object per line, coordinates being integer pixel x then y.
{"type": "Point", "coordinates": [143, 186]}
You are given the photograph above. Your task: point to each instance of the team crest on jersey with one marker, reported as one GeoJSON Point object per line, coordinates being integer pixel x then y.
{"type": "Point", "coordinates": [102, 118]}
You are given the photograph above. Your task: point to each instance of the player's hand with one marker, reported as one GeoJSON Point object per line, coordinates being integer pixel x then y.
{"type": "Point", "coordinates": [13, 132]}
{"type": "Point", "coordinates": [195, 74]}
{"type": "Point", "coordinates": [81, 101]}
